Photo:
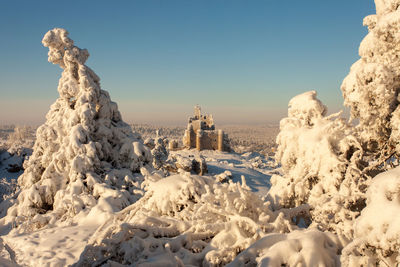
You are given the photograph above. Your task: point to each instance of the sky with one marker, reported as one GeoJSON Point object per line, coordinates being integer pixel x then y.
{"type": "Point", "coordinates": [240, 60]}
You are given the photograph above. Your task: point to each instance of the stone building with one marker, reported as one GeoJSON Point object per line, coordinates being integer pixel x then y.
{"type": "Point", "coordinates": [201, 133]}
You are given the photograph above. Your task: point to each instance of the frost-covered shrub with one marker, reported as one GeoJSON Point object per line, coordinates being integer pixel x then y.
{"type": "Point", "coordinates": [319, 157]}
{"type": "Point", "coordinates": [377, 230]}
{"type": "Point", "coordinates": [20, 141]}
{"type": "Point", "coordinates": [84, 153]}
{"type": "Point", "coordinates": [17, 149]}
{"type": "Point", "coordinates": [185, 220]}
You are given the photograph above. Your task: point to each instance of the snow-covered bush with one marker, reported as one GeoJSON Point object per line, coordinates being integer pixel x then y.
{"type": "Point", "coordinates": [185, 220]}
{"type": "Point", "coordinates": [20, 141]}
{"type": "Point", "coordinates": [84, 153]}
{"type": "Point", "coordinates": [377, 230]}
{"type": "Point", "coordinates": [17, 148]}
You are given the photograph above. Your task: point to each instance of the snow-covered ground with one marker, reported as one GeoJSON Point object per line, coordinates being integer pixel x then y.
{"type": "Point", "coordinates": [63, 245]}
{"type": "Point", "coordinates": [256, 169]}
{"type": "Point", "coordinates": [58, 246]}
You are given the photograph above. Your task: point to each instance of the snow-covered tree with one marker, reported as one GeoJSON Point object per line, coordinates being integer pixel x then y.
{"type": "Point", "coordinates": [159, 153]}
{"type": "Point", "coordinates": [371, 89]}
{"type": "Point", "coordinates": [84, 153]}
{"type": "Point", "coordinates": [319, 156]}
{"type": "Point", "coordinates": [328, 163]}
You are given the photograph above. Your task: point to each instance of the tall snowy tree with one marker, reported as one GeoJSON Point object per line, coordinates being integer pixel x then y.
{"type": "Point", "coordinates": [84, 153]}
{"type": "Point", "coordinates": [332, 167]}
{"type": "Point", "coordinates": [371, 89]}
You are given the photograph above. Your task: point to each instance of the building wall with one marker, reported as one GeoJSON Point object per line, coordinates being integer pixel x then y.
{"type": "Point", "coordinates": [209, 139]}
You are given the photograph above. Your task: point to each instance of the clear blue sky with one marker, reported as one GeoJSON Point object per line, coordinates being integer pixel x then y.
{"type": "Point", "coordinates": [240, 60]}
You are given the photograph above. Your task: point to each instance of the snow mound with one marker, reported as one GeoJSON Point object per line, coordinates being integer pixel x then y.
{"type": "Point", "coordinates": [184, 220]}
{"type": "Point", "coordinates": [84, 154]}
{"type": "Point", "coordinates": [309, 247]}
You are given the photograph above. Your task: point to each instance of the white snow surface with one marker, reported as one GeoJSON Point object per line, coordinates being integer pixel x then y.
{"type": "Point", "coordinates": [58, 246]}
{"type": "Point", "coordinates": [255, 168]}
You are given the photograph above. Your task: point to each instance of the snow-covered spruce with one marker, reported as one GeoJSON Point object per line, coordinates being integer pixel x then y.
{"type": "Point", "coordinates": [371, 89]}
{"type": "Point", "coordinates": [159, 153]}
{"type": "Point", "coordinates": [84, 155]}
{"type": "Point", "coordinates": [320, 163]}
